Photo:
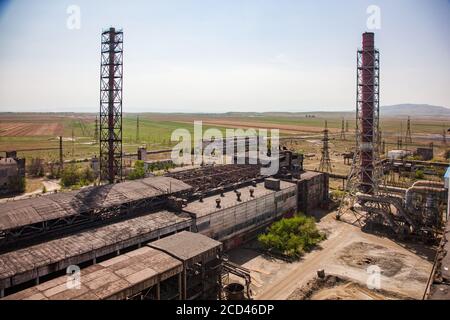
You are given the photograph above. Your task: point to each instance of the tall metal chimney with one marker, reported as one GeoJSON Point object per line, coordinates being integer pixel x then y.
{"type": "Point", "coordinates": [111, 71]}
{"type": "Point", "coordinates": [368, 110]}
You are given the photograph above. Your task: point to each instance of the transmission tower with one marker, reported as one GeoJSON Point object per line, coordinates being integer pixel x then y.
{"type": "Point", "coordinates": [137, 129]}
{"type": "Point", "coordinates": [399, 142]}
{"type": "Point", "coordinates": [366, 173]}
{"type": "Point", "coordinates": [73, 143]}
{"type": "Point", "coordinates": [342, 136]}
{"type": "Point", "coordinates": [325, 162]}
{"type": "Point", "coordinates": [346, 126]}
{"type": "Point", "coordinates": [96, 129]}
{"type": "Point", "coordinates": [444, 135]}
{"type": "Point", "coordinates": [408, 138]}
{"type": "Point", "coordinates": [111, 75]}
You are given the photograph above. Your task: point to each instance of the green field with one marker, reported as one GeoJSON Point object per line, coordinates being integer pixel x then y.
{"type": "Point", "coordinates": [156, 129]}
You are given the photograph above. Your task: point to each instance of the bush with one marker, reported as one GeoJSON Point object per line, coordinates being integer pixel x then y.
{"type": "Point", "coordinates": [337, 194]}
{"type": "Point", "coordinates": [75, 176]}
{"type": "Point", "coordinates": [138, 171]}
{"type": "Point", "coordinates": [292, 236]}
{"type": "Point", "coordinates": [419, 174]}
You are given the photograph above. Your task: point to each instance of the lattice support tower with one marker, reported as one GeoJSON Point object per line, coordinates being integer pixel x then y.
{"type": "Point", "coordinates": [408, 137]}
{"type": "Point", "coordinates": [111, 76]}
{"type": "Point", "coordinates": [366, 174]}
{"type": "Point", "coordinates": [325, 162]}
{"type": "Point", "coordinates": [96, 129]}
{"type": "Point", "coordinates": [137, 129]}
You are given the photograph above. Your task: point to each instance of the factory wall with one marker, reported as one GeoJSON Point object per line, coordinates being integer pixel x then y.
{"type": "Point", "coordinates": [312, 192]}
{"type": "Point", "coordinates": [234, 221]}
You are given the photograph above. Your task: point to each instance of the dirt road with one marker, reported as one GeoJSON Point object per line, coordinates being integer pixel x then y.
{"type": "Point", "coordinates": [348, 252]}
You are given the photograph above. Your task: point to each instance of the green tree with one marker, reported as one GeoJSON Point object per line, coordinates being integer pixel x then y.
{"type": "Point", "coordinates": [292, 236]}
{"type": "Point", "coordinates": [419, 174]}
{"type": "Point", "coordinates": [138, 171]}
{"type": "Point", "coordinates": [74, 175]}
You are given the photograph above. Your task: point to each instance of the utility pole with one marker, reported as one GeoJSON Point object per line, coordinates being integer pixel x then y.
{"type": "Point", "coordinates": [444, 135]}
{"type": "Point", "coordinates": [346, 126]}
{"type": "Point", "coordinates": [96, 129]}
{"type": "Point", "coordinates": [342, 137]}
{"type": "Point", "coordinates": [61, 157]}
{"type": "Point", "coordinates": [73, 143]}
{"type": "Point", "coordinates": [137, 129]}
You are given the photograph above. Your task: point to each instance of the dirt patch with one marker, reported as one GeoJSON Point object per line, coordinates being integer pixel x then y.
{"type": "Point", "coordinates": [27, 129]}
{"type": "Point", "coordinates": [362, 255]}
{"type": "Point", "coordinates": [337, 288]}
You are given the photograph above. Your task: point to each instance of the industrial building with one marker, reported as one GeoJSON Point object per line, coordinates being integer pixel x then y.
{"type": "Point", "coordinates": [41, 237]}
{"type": "Point", "coordinates": [12, 170]}
{"type": "Point", "coordinates": [164, 269]}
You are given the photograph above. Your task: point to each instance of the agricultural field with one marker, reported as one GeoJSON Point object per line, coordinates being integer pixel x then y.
{"type": "Point", "coordinates": [36, 135]}
{"type": "Point", "coordinates": [27, 131]}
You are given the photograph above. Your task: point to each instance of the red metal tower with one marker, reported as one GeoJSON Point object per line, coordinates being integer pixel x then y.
{"type": "Point", "coordinates": [111, 76]}
{"type": "Point", "coordinates": [367, 113]}
{"type": "Point", "coordinates": [366, 173]}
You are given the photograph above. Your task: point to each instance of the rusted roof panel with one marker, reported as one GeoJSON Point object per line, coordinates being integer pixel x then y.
{"type": "Point", "coordinates": [24, 212]}
{"type": "Point", "coordinates": [115, 278]}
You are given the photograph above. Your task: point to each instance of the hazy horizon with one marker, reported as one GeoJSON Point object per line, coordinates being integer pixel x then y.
{"type": "Point", "coordinates": [218, 113]}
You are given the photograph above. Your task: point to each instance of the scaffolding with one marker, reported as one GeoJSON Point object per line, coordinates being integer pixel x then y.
{"type": "Point", "coordinates": [111, 75]}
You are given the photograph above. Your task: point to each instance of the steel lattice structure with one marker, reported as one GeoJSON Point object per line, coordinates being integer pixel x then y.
{"type": "Point", "coordinates": [366, 173]}
{"type": "Point", "coordinates": [408, 138]}
{"type": "Point", "coordinates": [111, 76]}
{"type": "Point", "coordinates": [325, 162]}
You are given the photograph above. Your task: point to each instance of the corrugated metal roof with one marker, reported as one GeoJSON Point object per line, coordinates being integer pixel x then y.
{"type": "Point", "coordinates": [66, 250]}
{"type": "Point", "coordinates": [23, 212]}
{"type": "Point", "coordinates": [186, 245]}
{"type": "Point", "coordinates": [115, 278]}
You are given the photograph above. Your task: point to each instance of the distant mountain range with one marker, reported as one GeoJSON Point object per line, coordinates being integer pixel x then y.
{"type": "Point", "coordinates": [398, 110]}
{"type": "Point", "coordinates": [414, 110]}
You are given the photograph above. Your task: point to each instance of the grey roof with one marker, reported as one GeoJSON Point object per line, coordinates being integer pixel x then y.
{"type": "Point", "coordinates": [208, 204]}
{"type": "Point", "coordinates": [116, 278]}
{"type": "Point", "coordinates": [186, 245]}
{"type": "Point", "coordinates": [23, 212]}
{"type": "Point", "coordinates": [76, 248]}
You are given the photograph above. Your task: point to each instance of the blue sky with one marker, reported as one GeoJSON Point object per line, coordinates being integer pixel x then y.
{"type": "Point", "coordinates": [218, 56]}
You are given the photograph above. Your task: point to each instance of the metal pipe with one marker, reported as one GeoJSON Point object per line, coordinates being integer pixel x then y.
{"type": "Point", "coordinates": [423, 190]}
{"type": "Point", "coordinates": [429, 183]}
